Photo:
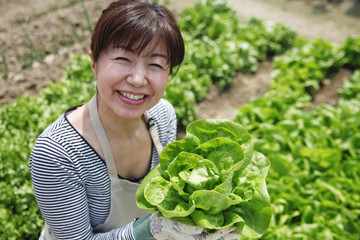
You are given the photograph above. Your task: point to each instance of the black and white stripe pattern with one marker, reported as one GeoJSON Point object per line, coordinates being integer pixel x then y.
{"type": "Point", "coordinates": [71, 182]}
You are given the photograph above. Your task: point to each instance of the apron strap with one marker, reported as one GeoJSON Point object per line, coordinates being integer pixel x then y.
{"type": "Point", "coordinates": [153, 133]}
{"type": "Point", "coordinates": [102, 138]}
{"type": "Point", "coordinates": [104, 142]}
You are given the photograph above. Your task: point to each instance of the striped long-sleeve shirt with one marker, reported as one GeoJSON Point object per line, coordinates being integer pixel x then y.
{"type": "Point", "coordinates": [71, 181]}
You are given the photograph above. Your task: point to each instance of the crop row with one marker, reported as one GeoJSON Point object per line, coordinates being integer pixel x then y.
{"type": "Point", "coordinates": [315, 174]}
{"type": "Point", "coordinates": [218, 46]}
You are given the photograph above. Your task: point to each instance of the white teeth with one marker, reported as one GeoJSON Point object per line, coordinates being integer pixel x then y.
{"type": "Point", "coordinates": [132, 96]}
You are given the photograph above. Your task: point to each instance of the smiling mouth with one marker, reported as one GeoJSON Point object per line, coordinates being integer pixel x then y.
{"type": "Point", "coordinates": [132, 96]}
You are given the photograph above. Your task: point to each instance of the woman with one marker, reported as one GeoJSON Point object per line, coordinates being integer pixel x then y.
{"type": "Point", "coordinates": [87, 165]}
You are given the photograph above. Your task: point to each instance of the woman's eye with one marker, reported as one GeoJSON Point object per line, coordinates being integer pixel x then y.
{"type": "Point", "coordinates": [123, 59]}
{"type": "Point", "coordinates": [157, 66]}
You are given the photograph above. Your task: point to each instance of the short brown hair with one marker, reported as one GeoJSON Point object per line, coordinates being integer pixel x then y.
{"type": "Point", "coordinates": [134, 24]}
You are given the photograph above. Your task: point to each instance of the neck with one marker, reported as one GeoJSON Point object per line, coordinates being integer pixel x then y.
{"type": "Point", "coordinates": [116, 126]}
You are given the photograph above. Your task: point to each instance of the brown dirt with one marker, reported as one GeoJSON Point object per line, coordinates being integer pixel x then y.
{"type": "Point", "coordinates": [50, 26]}
{"type": "Point", "coordinates": [245, 87]}
{"type": "Point", "coordinates": [311, 20]}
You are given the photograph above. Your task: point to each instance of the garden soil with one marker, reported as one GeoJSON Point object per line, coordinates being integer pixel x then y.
{"type": "Point", "coordinates": [48, 31]}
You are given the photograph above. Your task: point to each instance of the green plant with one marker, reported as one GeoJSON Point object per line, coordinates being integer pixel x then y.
{"type": "Point", "coordinates": [16, 51]}
{"type": "Point", "coordinates": [66, 40]}
{"type": "Point", "coordinates": [212, 179]}
{"type": "Point", "coordinates": [54, 43]}
{"type": "Point", "coordinates": [350, 52]}
{"type": "Point", "coordinates": [4, 73]}
{"type": "Point", "coordinates": [20, 124]}
{"type": "Point", "coordinates": [88, 21]}
{"type": "Point", "coordinates": [314, 154]}
{"type": "Point", "coordinates": [34, 53]}
{"type": "Point", "coordinates": [75, 32]}
{"type": "Point", "coordinates": [209, 18]}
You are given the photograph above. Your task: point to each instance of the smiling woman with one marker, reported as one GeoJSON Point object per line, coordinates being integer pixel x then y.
{"type": "Point", "coordinates": [87, 165]}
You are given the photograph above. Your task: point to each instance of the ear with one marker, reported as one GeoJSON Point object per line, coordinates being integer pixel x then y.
{"type": "Point", "coordinates": [93, 64]}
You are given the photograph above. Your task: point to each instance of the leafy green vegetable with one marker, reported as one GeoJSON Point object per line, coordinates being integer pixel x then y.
{"type": "Point", "coordinates": [315, 174]}
{"type": "Point", "coordinates": [212, 178]}
{"type": "Point", "coordinates": [349, 52]}
{"type": "Point", "coordinates": [20, 124]}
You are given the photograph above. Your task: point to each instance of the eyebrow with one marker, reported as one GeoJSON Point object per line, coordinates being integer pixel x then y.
{"type": "Point", "coordinates": [151, 55]}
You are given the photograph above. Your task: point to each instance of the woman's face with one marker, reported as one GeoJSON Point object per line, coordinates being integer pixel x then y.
{"type": "Point", "coordinates": [128, 83]}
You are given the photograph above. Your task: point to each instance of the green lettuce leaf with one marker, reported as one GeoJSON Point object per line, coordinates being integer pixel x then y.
{"type": "Point", "coordinates": [213, 178]}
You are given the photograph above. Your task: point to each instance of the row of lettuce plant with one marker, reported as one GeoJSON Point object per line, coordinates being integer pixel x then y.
{"type": "Point", "coordinates": [315, 154]}
{"type": "Point", "coordinates": [218, 45]}
{"type": "Point", "coordinates": [214, 54]}
{"type": "Point", "coordinates": [20, 124]}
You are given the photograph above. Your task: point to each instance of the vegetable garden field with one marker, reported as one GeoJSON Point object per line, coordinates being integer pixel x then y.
{"type": "Point", "coordinates": [314, 178]}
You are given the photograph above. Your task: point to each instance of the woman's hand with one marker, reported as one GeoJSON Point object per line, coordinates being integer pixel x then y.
{"type": "Point", "coordinates": [164, 228]}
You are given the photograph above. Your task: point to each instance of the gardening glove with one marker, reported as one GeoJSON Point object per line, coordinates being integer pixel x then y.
{"type": "Point", "coordinates": [169, 229]}
{"type": "Point", "coordinates": [141, 228]}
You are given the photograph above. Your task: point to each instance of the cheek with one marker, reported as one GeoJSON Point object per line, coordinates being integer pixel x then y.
{"type": "Point", "coordinates": [161, 82]}
{"type": "Point", "coordinates": [106, 73]}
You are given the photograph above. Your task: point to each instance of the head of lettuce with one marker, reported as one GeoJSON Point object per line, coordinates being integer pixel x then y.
{"type": "Point", "coordinates": [213, 178]}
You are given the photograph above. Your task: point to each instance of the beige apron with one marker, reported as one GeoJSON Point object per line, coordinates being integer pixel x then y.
{"type": "Point", "coordinates": [123, 208]}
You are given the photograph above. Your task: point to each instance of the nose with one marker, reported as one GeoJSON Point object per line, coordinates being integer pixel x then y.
{"type": "Point", "coordinates": [137, 76]}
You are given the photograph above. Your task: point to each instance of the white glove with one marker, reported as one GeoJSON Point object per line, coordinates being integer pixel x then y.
{"type": "Point", "coordinates": [168, 229]}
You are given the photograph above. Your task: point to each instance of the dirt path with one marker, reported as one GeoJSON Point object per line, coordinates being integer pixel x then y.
{"type": "Point", "coordinates": [245, 87]}
{"type": "Point", "coordinates": [50, 24]}
{"type": "Point", "coordinates": [332, 23]}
